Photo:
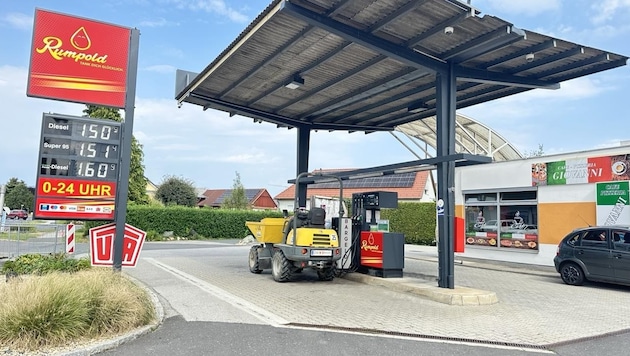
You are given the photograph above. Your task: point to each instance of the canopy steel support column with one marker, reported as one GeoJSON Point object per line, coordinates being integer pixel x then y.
{"type": "Point", "coordinates": [446, 119]}
{"type": "Point", "coordinates": [122, 193]}
{"type": "Point", "coordinates": [303, 145]}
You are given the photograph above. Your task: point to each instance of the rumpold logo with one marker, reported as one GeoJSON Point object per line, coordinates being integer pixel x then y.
{"type": "Point", "coordinates": [79, 40]}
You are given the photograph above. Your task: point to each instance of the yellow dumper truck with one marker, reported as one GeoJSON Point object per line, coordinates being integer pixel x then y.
{"type": "Point", "coordinates": [290, 244]}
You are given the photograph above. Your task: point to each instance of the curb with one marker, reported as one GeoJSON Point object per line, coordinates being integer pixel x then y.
{"type": "Point", "coordinates": [461, 296]}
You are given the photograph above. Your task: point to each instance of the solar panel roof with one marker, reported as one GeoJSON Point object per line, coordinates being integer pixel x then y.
{"type": "Point", "coordinates": [401, 180]}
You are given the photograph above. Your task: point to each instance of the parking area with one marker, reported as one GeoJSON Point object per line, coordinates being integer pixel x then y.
{"type": "Point", "coordinates": [534, 308]}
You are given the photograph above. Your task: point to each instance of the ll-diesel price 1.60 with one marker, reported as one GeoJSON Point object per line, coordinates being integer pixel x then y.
{"type": "Point", "coordinates": [77, 168]}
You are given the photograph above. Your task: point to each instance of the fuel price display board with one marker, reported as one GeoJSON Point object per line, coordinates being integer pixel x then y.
{"type": "Point", "coordinates": [77, 171]}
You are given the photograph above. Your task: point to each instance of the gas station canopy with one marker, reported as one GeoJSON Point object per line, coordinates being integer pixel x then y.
{"type": "Point", "coordinates": [371, 65]}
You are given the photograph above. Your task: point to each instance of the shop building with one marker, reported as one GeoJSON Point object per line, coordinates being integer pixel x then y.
{"type": "Point", "coordinates": [519, 210]}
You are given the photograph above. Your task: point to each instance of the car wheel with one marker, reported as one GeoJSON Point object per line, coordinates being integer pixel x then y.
{"type": "Point", "coordinates": [572, 274]}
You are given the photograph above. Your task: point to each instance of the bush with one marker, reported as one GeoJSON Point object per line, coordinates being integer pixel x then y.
{"type": "Point", "coordinates": [56, 309]}
{"type": "Point", "coordinates": [190, 223]}
{"type": "Point", "coordinates": [415, 220]}
{"type": "Point", "coordinates": [42, 264]}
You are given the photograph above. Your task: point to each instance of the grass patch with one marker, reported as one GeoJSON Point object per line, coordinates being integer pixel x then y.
{"type": "Point", "coordinates": [21, 236]}
{"type": "Point", "coordinates": [56, 309]}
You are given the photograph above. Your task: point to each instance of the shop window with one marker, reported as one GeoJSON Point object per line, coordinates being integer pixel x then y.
{"type": "Point", "coordinates": [481, 225]}
{"type": "Point", "coordinates": [511, 223]}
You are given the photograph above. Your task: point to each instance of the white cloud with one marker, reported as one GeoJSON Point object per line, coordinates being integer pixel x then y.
{"type": "Point", "coordinates": [542, 116]}
{"type": "Point", "coordinates": [160, 22]}
{"type": "Point", "coordinates": [528, 8]}
{"type": "Point", "coordinates": [161, 68]}
{"type": "Point", "coordinates": [606, 10]}
{"type": "Point", "coordinates": [21, 125]}
{"type": "Point", "coordinates": [218, 7]}
{"type": "Point", "coordinates": [19, 21]}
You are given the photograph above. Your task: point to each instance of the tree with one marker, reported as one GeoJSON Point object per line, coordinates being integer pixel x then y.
{"type": "Point", "coordinates": [18, 196]}
{"type": "Point", "coordinates": [176, 191]}
{"type": "Point", "coordinates": [137, 181]}
{"type": "Point", "coordinates": [535, 153]}
{"type": "Point", "coordinates": [237, 198]}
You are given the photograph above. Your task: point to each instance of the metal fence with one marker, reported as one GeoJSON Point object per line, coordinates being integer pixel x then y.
{"type": "Point", "coordinates": [24, 237]}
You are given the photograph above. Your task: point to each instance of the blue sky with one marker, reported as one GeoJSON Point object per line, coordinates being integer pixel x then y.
{"type": "Point", "coordinates": [209, 147]}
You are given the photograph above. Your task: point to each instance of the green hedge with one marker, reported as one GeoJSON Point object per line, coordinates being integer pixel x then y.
{"type": "Point", "coordinates": [415, 220]}
{"type": "Point", "coordinates": [190, 223]}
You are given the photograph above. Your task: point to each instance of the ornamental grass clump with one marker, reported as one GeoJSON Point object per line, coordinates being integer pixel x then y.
{"type": "Point", "coordinates": [58, 309]}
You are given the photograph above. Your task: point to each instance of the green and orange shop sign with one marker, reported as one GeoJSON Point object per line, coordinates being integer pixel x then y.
{"type": "Point", "coordinates": [582, 170]}
{"type": "Point", "coordinates": [78, 60]}
{"type": "Point", "coordinates": [613, 200]}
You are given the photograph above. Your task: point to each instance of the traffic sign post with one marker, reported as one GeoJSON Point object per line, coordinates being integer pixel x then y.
{"type": "Point", "coordinates": [102, 250]}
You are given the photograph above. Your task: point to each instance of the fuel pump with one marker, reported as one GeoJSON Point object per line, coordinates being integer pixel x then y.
{"type": "Point", "coordinates": [376, 251]}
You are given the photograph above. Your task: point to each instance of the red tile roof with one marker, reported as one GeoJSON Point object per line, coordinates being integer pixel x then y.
{"type": "Point", "coordinates": [415, 192]}
{"type": "Point", "coordinates": [258, 198]}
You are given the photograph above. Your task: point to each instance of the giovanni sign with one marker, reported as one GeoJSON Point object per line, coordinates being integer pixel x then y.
{"type": "Point", "coordinates": [582, 170]}
{"type": "Point", "coordinates": [78, 60]}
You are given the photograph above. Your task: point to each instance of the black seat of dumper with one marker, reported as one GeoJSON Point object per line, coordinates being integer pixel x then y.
{"type": "Point", "coordinates": [317, 217]}
{"type": "Point", "coordinates": [300, 219]}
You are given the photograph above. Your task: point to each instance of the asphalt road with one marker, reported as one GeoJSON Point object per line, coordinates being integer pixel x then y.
{"type": "Point", "coordinates": [196, 283]}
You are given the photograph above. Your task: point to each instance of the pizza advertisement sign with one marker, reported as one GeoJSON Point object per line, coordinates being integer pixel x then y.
{"type": "Point", "coordinates": [582, 170]}
{"type": "Point", "coordinates": [78, 60]}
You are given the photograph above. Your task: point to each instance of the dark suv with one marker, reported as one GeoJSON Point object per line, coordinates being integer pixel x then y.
{"type": "Point", "coordinates": [17, 214]}
{"type": "Point", "coordinates": [596, 253]}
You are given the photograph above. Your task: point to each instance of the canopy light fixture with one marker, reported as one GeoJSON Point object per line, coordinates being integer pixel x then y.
{"type": "Point", "coordinates": [529, 57]}
{"type": "Point", "coordinates": [295, 83]}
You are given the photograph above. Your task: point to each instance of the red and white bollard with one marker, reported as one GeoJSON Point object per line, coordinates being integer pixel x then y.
{"type": "Point", "coordinates": [70, 238]}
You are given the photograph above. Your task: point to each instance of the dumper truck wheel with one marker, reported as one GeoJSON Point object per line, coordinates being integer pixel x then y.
{"type": "Point", "coordinates": [254, 266]}
{"type": "Point", "coordinates": [280, 267]}
{"type": "Point", "coordinates": [326, 274]}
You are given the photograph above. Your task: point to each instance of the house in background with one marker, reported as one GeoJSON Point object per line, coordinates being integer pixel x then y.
{"type": "Point", "coordinates": [411, 187]}
{"type": "Point", "coordinates": [258, 198]}
{"type": "Point", "coordinates": [151, 189]}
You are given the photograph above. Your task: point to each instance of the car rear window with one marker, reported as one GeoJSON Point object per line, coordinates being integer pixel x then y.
{"type": "Point", "coordinates": [595, 238]}
{"type": "Point", "coordinates": [574, 239]}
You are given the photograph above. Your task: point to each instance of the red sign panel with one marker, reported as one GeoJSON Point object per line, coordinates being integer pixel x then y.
{"type": "Point", "coordinates": [78, 60]}
{"type": "Point", "coordinates": [102, 245]}
{"type": "Point", "coordinates": [67, 198]}
{"type": "Point", "coordinates": [372, 249]}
